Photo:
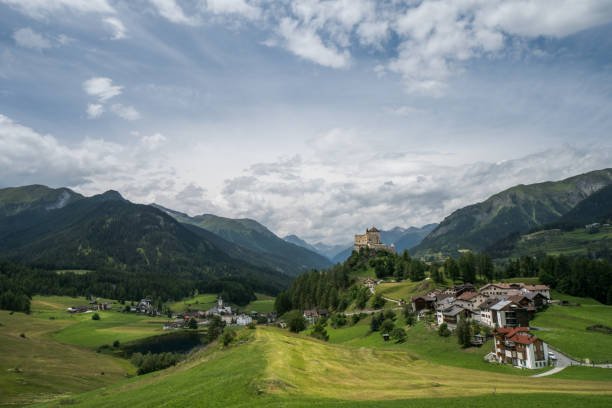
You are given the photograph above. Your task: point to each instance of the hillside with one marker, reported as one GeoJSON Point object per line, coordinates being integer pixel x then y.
{"type": "Point", "coordinates": [517, 209]}
{"type": "Point", "coordinates": [290, 259]}
{"type": "Point", "coordinates": [595, 208]}
{"type": "Point", "coordinates": [14, 200]}
{"type": "Point", "coordinates": [108, 234]}
{"type": "Point", "coordinates": [270, 367]}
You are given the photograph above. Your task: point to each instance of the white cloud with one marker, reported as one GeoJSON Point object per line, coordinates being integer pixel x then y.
{"type": "Point", "coordinates": [94, 110]}
{"type": "Point", "coordinates": [116, 27]}
{"type": "Point", "coordinates": [28, 38]}
{"type": "Point", "coordinates": [125, 112]}
{"type": "Point", "coordinates": [240, 7]}
{"type": "Point", "coordinates": [42, 8]}
{"type": "Point", "coordinates": [305, 43]}
{"type": "Point", "coordinates": [153, 141]}
{"type": "Point", "coordinates": [170, 10]}
{"type": "Point", "coordinates": [102, 88]}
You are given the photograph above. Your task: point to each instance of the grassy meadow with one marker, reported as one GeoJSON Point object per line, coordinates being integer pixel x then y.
{"type": "Point", "coordinates": [271, 367]}
{"type": "Point", "coordinates": [263, 303]}
{"type": "Point", "coordinates": [566, 328]}
{"type": "Point", "coordinates": [37, 367]}
{"type": "Point", "coordinates": [405, 289]}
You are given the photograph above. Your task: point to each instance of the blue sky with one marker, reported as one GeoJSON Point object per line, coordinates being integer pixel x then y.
{"type": "Point", "coordinates": [315, 117]}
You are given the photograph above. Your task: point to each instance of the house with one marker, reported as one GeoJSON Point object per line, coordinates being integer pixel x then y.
{"type": "Point", "coordinates": [501, 289]}
{"type": "Point", "coordinates": [243, 320]}
{"type": "Point", "coordinates": [451, 316]}
{"type": "Point", "coordinates": [541, 289]}
{"type": "Point", "coordinates": [457, 290]}
{"type": "Point", "coordinates": [419, 303]}
{"type": "Point", "coordinates": [228, 319]}
{"type": "Point", "coordinates": [78, 309]}
{"type": "Point", "coordinates": [468, 300]}
{"type": "Point", "coordinates": [518, 347]}
{"type": "Point", "coordinates": [370, 283]}
{"type": "Point", "coordinates": [311, 315]}
{"type": "Point", "coordinates": [509, 314]}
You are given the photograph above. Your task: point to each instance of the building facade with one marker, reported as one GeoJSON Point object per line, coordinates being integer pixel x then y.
{"type": "Point", "coordinates": [518, 347]}
{"type": "Point", "coordinates": [371, 240]}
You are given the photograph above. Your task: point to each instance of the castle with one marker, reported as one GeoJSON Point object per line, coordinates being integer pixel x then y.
{"type": "Point", "coordinates": [371, 239]}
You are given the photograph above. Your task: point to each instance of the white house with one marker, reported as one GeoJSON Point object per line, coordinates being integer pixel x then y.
{"type": "Point", "coordinates": [243, 320]}
{"type": "Point", "coordinates": [520, 348]}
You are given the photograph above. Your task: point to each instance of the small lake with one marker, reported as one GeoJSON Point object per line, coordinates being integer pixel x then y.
{"type": "Point", "coordinates": [177, 342]}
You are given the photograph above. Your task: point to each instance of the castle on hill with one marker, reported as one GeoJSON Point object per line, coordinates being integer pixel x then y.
{"type": "Point", "coordinates": [371, 240]}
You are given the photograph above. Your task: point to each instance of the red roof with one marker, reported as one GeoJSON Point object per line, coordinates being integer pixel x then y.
{"type": "Point", "coordinates": [468, 295]}
{"type": "Point", "coordinates": [523, 338]}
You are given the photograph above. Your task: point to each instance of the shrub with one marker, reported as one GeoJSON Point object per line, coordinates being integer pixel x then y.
{"type": "Point", "coordinates": [95, 316]}
{"type": "Point", "coordinates": [399, 334]}
{"type": "Point", "coordinates": [378, 302]}
{"type": "Point", "coordinates": [377, 320]}
{"type": "Point", "coordinates": [192, 324]}
{"type": "Point", "coordinates": [338, 320]}
{"type": "Point", "coordinates": [319, 332]}
{"type": "Point", "coordinates": [116, 344]}
{"type": "Point", "coordinates": [228, 336]}
{"type": "Point", "coordinates": [295, 321]}
{"type": "Point", "coordinates": [387, 326]}
{"type": "Point", "coordinates": [153, 362]}
{"type": "Point", "coordinates": [390, 314]}
{"type": "Point", "coordinates": [443, 330]}
{"type": "Point", "coordinates": [251, 326]}
{"type": "Point", "coordinates": [355, 318]}
{"type": "Point", "coordinates": [22, 335]}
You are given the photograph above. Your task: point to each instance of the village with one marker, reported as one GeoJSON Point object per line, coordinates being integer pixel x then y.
{"type": "Point", "coordinates": [191, 318]}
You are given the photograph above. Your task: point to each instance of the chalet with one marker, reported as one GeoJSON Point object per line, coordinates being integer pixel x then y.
{"type": "Point", "coordinates": [468, 300]}
{"type": "Point", "coordinates": [541, 289]}
{"type": "Point", "coordinates": [78, 309]}
{"type": "Point", "coordinates": [452, 315]}
{"type": "Point", "coordinates": [243, 320]}
{"type": "Point", "coordinates": [370, 283]}
{"type": "Point", "coordinates": [518, 347]}
{"type": "Point", "coordinates": [486, 316]}
{"type": "Point", "coordinates": [228, 319]}
{"type": "Point", "coordinates": [419, 303]}
{"type": "Point", "coordinates": [444, 301]}
{"type": "Point", "coordinates": [311, 315]}
{"type": "Point", "coordinates": [459, 289]}
{"type": "Point", "coordinates": [509, 314]}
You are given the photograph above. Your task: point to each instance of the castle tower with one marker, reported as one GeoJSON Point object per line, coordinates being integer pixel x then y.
{"type": "Point", "coordinates": [373, 235]}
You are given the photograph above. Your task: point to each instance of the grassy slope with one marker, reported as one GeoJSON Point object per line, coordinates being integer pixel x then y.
{"type": "Point", "coordinates": [263, 304]}
{"type": "Point", "coordinates": [85, 332]}
{"type": "Point", "coordinates": [279, 369]}
{"type": "Point", "coordinates": [48, 368]}
{"type": "Point", "coordinates": [404, 289]}
{"type": "Point", "coordinates": [572, 243]}
{"type": "Point", "coordinates": [568, 332]}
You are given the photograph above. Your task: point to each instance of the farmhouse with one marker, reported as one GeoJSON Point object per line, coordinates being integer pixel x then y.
{"type": "Point", "coordinates": [518, 347]}
{"type": "Point", "coordinates": [419, 303]}
{"type": "Point", "coordinates": [452, 315]}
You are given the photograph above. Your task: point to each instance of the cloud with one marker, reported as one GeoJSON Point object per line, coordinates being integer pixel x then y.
{"type": "Point", "coordinates": [153, 141]}
{"type": "Point", "coordinates": [27, 38]}
{"type": "Point", "coordinates": [304, 42]}
{"type": "Point", "coordinates": [102, 88]}
{"type": "Point", "coordinates": [42, 8]}
{"type": "Point", "coordinates": [94, 110]}
{"type": "Point", "coordinates": [116, 27]}
{"type": "Point", "coordinates": [125, 112]}
{"type": "Point", "coordinates": [240, 7]}
{"type": "Point", "coordinates": [170, 10]}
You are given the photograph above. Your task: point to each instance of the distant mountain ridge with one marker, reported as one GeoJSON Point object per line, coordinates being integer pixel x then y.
{"type": "Point", "coordinates": [288, 257]}
{"type": "Point", "coordinates": [59, 229]}
{"type": "Point", "coordinates": [401, 238]}
{"type": "Point", "coordinates": [515, 210]}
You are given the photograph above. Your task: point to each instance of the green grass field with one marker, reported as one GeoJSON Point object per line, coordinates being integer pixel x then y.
{"type": "Point", "coordinates": [555, 242]}
{"type": "Point", "coordinates": [85, 332]}
{"type": "Point", "coordinates": [202, 302]}
{"type": "Point", "coordinates": [568, 332]}
{"type": "Point", "coordinates": [405, 289]}
{"type": "Point", "coordinates": [38, 367]}
{"type": "Point", "coordinates": [271, 367]}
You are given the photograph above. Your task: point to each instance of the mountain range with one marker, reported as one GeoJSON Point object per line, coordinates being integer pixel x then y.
{"type": "Point", "coordinates": [258, 243]}
{"type": "Point", "coordinates": [516, 210]}
{"type": "Point", "coordinates": [401, 238]}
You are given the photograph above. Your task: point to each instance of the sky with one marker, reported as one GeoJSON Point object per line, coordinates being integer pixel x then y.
{"type": "Point", "coordinates": [315, 117]}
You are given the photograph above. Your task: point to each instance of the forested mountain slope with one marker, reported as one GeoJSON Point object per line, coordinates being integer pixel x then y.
{"type": "Point", "coordinates": [515, 210]}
